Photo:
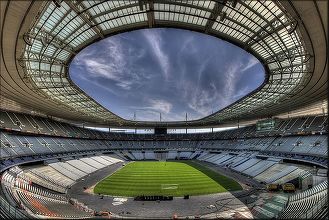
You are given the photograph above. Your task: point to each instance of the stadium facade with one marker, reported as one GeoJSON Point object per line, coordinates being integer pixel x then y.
{"type": "Point", "coordinates": [44, 153]}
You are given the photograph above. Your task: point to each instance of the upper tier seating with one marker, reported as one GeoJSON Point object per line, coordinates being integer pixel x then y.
{"type": "Point", "coordinates": [36, 124]}
{"type": "Point", "coordinates": [14, 146]}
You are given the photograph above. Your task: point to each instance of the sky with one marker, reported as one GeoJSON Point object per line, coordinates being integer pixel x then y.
{"type": "Point", "coordinates": [169, 71]}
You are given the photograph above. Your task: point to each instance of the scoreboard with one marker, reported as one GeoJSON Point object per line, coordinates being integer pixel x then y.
{"type": "Point", "coordinates": [266, 125]}
{"type": "Point", "coordinates": [160, 131]}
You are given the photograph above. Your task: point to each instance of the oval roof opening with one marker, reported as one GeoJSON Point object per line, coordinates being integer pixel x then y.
{"type": "Point", "coordinates": [166, 73]}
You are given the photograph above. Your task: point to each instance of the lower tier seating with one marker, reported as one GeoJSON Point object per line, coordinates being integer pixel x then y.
{"type": "Point", "coordinates": [38, 201]}
{"type": "Point", "coordinates": [299, 204]}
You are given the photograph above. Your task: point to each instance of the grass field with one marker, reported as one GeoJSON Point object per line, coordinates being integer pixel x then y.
{"type": "Point", "coordinates": [165, 178]}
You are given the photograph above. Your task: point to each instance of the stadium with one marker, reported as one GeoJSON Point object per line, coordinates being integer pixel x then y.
{"type": "Point", "coordinates": [67, 154]}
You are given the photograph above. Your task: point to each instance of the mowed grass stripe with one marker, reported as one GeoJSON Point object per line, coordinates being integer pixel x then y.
{"type": "Point", "coordinates": [146, 185]}
{"type": "Point", "coordinates": [187, 181]}
{"type": "Point", "coordinates": [150, 178]}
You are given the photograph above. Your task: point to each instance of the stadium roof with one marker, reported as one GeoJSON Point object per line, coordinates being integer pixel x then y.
{"type": "Point", "coordinates": [39, 39]}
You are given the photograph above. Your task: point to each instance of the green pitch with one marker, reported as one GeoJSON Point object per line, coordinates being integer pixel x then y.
{"type": "Point", "coordinates": [165, 178]}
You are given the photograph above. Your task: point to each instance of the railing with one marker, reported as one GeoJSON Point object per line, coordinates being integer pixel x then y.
{"type": "Point", "coordinates": [311, 213]}
{"type": "Point", "coordinates": [11, 210]}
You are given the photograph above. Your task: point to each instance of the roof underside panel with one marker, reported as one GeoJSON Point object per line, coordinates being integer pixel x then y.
{"type": "Point", "coordinates": [263, 28]}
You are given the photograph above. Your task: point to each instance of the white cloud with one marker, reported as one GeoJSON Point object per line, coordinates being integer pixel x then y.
{"type": "Point", "coordinates": [188, 46]}
{"type": "Point", "coordinates": [96, 68]}
{"type": "Point", "coordinates": [241, 92]}
{"type": "Point", "coordinates": [119, 65]}
{"type": "Point", "coordinates": [231, 76]}
{"type": "Point", "coordinates": [251, 62]}
{"type": "Point", "coordinates": [155, 41]}
{"type": "Point", "coordinates": [177, 116]}
{"type": "Point", "coordinates": [124, 84]}
{"type": "Point", "coordinates": [105, 88]}
{"type": "Point", "coordinates": [147, 115]}
{"type": "Point", "coordinates": [160, 105]}
{"type": "Point", "coordinates": [114, 62]}
{"type": "Point", "coordinates": [210, 99]}
{"type": "Point", "coordinates": [201, 102]}
{"type": "Point", "coordinates": [156, 106]}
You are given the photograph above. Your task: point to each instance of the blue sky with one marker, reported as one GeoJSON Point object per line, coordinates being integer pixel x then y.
{"type": "Point", "coordinates": [171, 71]}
